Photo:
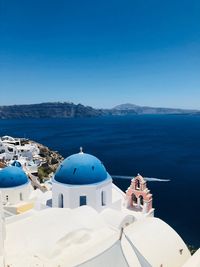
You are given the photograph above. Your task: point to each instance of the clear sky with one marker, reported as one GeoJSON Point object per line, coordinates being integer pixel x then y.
{"type": "Point", "coordinates": [100, 53]}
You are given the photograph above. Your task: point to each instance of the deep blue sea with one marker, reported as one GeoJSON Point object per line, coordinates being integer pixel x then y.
{"type": "Point", "coordinates": [161, 146]}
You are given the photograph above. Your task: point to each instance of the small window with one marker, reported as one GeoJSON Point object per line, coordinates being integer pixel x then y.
{"type": "Point", "coordinates": [10, 149]}
{"type": "Point", "coordinates": [6, 197]}
{"type": "Point", "coordinates": [49, 203]}
{"type": "Point", "coordinates": [20, 196]}
{"type": "Point", "coordinates": [60, 201]}
{"type": "Point", "coordinates": [83, 200]}
{"type": "Point", "coordinates": [103, 198]}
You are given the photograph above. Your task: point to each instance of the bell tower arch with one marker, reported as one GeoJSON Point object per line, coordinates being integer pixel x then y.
{"type": "Point", "coordinates": [138, 196]}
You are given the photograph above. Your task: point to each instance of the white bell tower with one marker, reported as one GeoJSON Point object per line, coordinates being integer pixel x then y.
{"type": "Point", "coordinates": [2, 234]}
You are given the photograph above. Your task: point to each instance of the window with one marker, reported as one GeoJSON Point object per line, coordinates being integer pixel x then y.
{"type": "Point", "coordinates": [60, 201]}
{"type": "Point", "coordinates": [49, 203]}
{"type": "Point", "coordinates": [137, 183]}
{"type": "Point", "coordinates": [103, 198]}
{"type": "Point", "coordinates": [20, 196]}
{"type": "Point", "coordinates": [83, 200]}
{"type": "Point", "coordinates": [7, 198]}
{"type": "Point", "coordinates": [10, 149]}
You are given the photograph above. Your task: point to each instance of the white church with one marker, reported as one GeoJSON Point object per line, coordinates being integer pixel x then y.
{"type": "Point", "coordinates": [84, 220]}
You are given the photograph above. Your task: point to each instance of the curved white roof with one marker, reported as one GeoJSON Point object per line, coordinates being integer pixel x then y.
{"type": "Point", "coordinates": [156, 243]}
{"type": "Point", "coordinates": [83, 237]}
{"type": "Point", "coordinates": [116, 219]}
{"type": "Point", "coordinates": [7, 138]}
{"type": "Point", "coordinates": [194, 261]}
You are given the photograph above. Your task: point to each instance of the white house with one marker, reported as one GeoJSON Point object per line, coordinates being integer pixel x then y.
{"type": "Point", "coordinates": [85, 221]}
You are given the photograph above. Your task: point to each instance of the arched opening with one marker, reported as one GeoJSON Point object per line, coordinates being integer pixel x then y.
{"type": "Point", "coordinates": [103, 198]}
{"type": "Point", "coordinates": [49, 203]}
{"type": "Point", "coordinates": [134, 199]}
{"type": "Point", "coordinates": [137, 184]}
{"type": "Point", "coordinates": [83, 200]}
{"type": "Point", "coordinates": [141, 200]}
{"type": "Point", "coordinates": [60, 201]}
{"type": "Point", "coordinates": [21, 196]}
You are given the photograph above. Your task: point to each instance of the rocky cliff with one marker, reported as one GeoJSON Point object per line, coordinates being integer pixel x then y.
{"type": "Point", "coordinates": [71, 110]}
{"type": "Point", "coordinates": [48, 110]}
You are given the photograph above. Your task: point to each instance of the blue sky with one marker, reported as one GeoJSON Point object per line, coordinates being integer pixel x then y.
{"type": "Point", "coordinates": [100, 53]}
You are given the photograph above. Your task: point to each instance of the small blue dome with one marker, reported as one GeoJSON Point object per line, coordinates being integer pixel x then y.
{"type": "Point", "coordinates": [12, 176]}
{"type": "Point", "coordinates": [81, 169]}
{"type": "Point", "coordinates": [16, 163]}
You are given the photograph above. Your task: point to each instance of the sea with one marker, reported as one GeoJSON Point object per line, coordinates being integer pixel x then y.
{"type": "Point", "coordinates": [165, 147]}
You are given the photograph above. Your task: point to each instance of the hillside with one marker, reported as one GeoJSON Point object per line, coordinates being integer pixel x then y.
{"type": "Point", "coordinates": [71, 110]}
{"type": "Point", "coordinates": [128, 108]}
{"type": "Point", "coordinates": [48, 110]}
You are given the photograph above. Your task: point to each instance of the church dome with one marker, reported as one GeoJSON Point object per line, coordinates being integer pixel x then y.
{"type": "Point", "coordinates": [12, 176]}
{"type": "Point", "coordinates": [16, 163]}
{"type": "Point", "coordinates": [81, 169]}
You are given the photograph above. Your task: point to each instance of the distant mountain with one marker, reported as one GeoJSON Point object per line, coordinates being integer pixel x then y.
{"type": "Point", "coordinates": [48, 110]}
{"type": "Point", "coordinates": [126, 106]}
{"type": "Point", "coordinates": [71, 110]}
{"type": "Point", "coordinates": [131, 108]}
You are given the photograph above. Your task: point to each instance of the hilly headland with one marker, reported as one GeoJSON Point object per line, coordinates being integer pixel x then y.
{"type": "Point", "coordinates": [71, 110]}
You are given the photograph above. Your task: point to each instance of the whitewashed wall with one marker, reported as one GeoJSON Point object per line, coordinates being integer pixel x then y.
{"type": "Point", "coordinates": [12, 195]}
{"type": "Point", "coordinates": [72, 193]}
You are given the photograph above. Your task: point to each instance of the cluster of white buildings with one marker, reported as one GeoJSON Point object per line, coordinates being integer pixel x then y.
{"type": "Point", "coordinates": [27, 153]}
{"type": "Point", "coordinates": [84, 220]}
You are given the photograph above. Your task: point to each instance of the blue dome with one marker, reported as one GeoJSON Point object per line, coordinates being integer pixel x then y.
{"type": "Point", "coordinates": [81, 169]}
{"type": "Point", "coordinates": [16, 163]}
{"type": "Point", "coordinates": [12, 176]}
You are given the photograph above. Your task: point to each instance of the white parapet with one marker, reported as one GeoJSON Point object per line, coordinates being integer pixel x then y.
{"type": "Point", "coordinates": [2, 234]}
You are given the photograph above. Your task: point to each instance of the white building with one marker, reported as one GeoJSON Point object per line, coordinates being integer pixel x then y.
{"type": "Point", "coordinates": [80, 180]}
{"type": "Point", "coordinates": [12, 148]}
{"type": "Point", "coordinates": [15, 189]}
{"type": "Point", "coordinates": [92, 223]}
